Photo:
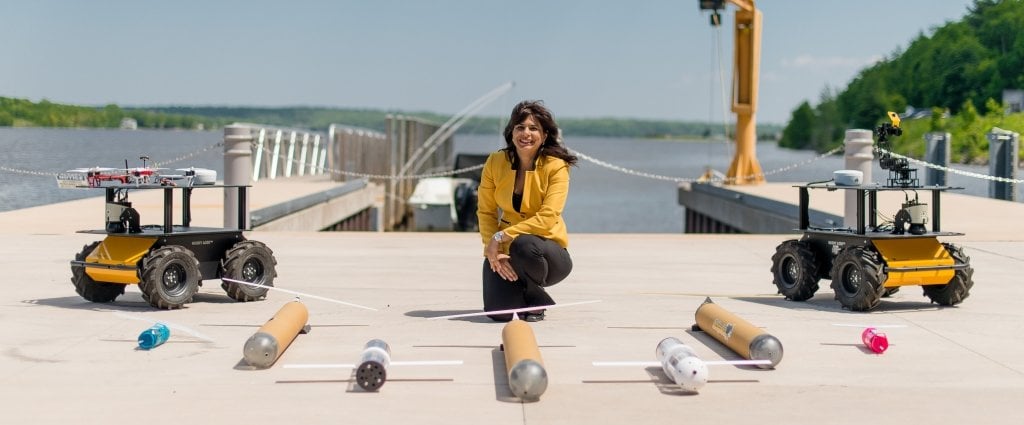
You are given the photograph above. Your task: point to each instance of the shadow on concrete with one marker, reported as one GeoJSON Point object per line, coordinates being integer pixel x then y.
{"type": "Point", "coordinates": [213, 298]}
{"type": "Point", "coordinates": [353, 387]}
{"type": "Point", "coordinates": [860, 347]}
{"type": "Point", "coordinates": [827, 302]}
{"type": "Point", "coordinates": [127, 302]}
{"type": "Point", "coordinates": [77, 303]}
{"type": "Point", "coordinates": [658, 378]}
{"type": "Point", "coordinates": [16, 354]}
{"type": "Point", "coordinates": [891, 306]}
{"type": "Point", "coordinates": [665, 384]}
{"type": "Point", "coordinates": [720, 349]}
{"type": "Point", "coordinates": [501, 390]}
{"type": "Point", "coordinates": [819, 303]}
{"type": "Point", "coordinates": [244, 365]}
{"type": "Point", "coordinates": [439, 313]}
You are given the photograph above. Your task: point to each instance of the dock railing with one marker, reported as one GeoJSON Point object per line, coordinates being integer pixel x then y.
{"type": "Point", "coordinates": [357, 153]}
{"type": "Point", "coordinates": [254, 151]}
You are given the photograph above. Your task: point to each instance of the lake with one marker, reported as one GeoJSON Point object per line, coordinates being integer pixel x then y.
{"type": "Point", "coordinates": [601, 200]}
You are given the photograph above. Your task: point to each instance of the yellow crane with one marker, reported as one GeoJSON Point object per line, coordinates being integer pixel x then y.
{"type": "Point", "coordinates": [744, 168]}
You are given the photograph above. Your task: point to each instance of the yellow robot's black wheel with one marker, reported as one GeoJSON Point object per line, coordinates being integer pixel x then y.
{"type": "Point", "coordinates": [959, 287]}
{"type": "Point", "coordinates": [857, 278]}
{"type": "Point", "coordinates": [97, 292]}
{"type": "Point", "coordinates": [248, 261]}
{"type": "Point", "coordinates": [795, 270]}
{"type": "Point", "coordinates": [169, 277]}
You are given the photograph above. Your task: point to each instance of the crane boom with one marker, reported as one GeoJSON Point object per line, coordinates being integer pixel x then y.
{"type": "Point", "coordinates": [744, 168]}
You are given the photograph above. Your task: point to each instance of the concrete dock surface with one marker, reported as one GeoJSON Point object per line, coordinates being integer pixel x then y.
{"type": "Point", "coordinates": [66, 360]}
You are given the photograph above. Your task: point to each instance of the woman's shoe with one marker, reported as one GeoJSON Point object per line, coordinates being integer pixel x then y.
{"type": "Point", "coordinates": [533, 317]}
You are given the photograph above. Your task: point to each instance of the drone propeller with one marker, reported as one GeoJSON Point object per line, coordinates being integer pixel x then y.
{"type": "Point", "coordinates": [92, 169]}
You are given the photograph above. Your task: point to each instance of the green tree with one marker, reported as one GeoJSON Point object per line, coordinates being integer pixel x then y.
{"type": "Point", "coordinates": [828, 124]}
{"type": "Point", "coordinates": [798, 132]}
{"type": "Point", "coordinates": [994, 108]}
{"type": "Point", "coordinates": [937, 122]}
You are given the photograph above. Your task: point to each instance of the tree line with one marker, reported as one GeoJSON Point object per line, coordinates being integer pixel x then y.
{"type": "Point", "coordinates": [956, 75]}
{"type": "Point", "coordinates": [319, 119]}
{"type": "Point", "coordinates": [24, 113]}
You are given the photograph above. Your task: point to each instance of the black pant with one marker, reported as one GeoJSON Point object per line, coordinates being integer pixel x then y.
{"type": "Point", "coordinates": [539, 263]}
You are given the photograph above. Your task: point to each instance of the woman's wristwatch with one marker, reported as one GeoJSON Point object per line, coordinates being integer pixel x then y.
{"type": "Point", "coordinates": [498, 236]}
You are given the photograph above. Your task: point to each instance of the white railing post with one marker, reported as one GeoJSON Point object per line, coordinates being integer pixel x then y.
{"type": "Point", "coordinates": [291, 155]}
{"type": "Point", "coordinates": [277, 155]}
{"type": "Point", "coordinates": [302, 154]}
{"type": "Point", "coordinates": [315, 155]}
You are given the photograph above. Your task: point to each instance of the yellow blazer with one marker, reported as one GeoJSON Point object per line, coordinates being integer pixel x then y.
{"type": "Point", "coordinates": [544, 194]}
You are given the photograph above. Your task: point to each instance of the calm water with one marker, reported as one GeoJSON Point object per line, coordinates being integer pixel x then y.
{"type": "Point", "coordinates": [600, 200]}
{"type": "Point", "coordinates": [50, 151]}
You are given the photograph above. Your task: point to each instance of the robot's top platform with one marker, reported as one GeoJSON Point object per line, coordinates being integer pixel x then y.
{"type": "Point", "coordinates": [873, 187]}
{"type": "Point", "coordinates": [107, 177]}
{"type": "Point", "coordinates": [867, 211]}
{"type": "Point", "coordinates": [875, 233]}
{"type": "Point", "coordinates": [151, 230]}
{"type": "Point", "coordinates": [161, 186]}
{"type": "Point", "coordinates": [122, 219]}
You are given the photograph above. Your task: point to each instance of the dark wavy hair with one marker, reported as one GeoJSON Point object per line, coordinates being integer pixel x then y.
{"type": "Point", "coordinates": [552, 145]}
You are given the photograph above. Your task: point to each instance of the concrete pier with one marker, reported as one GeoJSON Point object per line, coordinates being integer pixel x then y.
{"type": "Point", "coordinates": [65, 360]}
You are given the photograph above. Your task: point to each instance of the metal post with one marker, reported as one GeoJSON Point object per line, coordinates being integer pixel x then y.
{"type": "Point", "coordinates": [873, 209]}
{"type": "Point", "coordinates": [186, 206]}
{"type": "Point", "coordinates": [858, 144]}
{"type": "Point", "coordinates": [861, 229]}
{"type": "Point", "coordinates": [1002, 162]}
{"type": "Point", "coordinates": [243, 206]}
{"type": "Point", "coordinates": [936, 152]}
{"type": "Point", "coordinates": [168, 210]}
{"type": "Point", "coordinates": [237, 171]}
{"type": "Point", "coordinates": [805, 217]}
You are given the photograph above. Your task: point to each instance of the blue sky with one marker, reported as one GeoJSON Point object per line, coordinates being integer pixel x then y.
{"type": "Point", "coordinates": [651, 59]}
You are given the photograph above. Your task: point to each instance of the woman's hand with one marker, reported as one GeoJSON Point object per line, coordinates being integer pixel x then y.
{"type": "Point", "coordinates": [500, 262]}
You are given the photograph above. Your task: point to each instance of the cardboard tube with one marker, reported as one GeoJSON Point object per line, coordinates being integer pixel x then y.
{"type": "Point", "coordinates": [747, 340]}
{"type": "Point", "coordinates": [526, 375]}
{"type": "Point", "coordinates": [269, 342]}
